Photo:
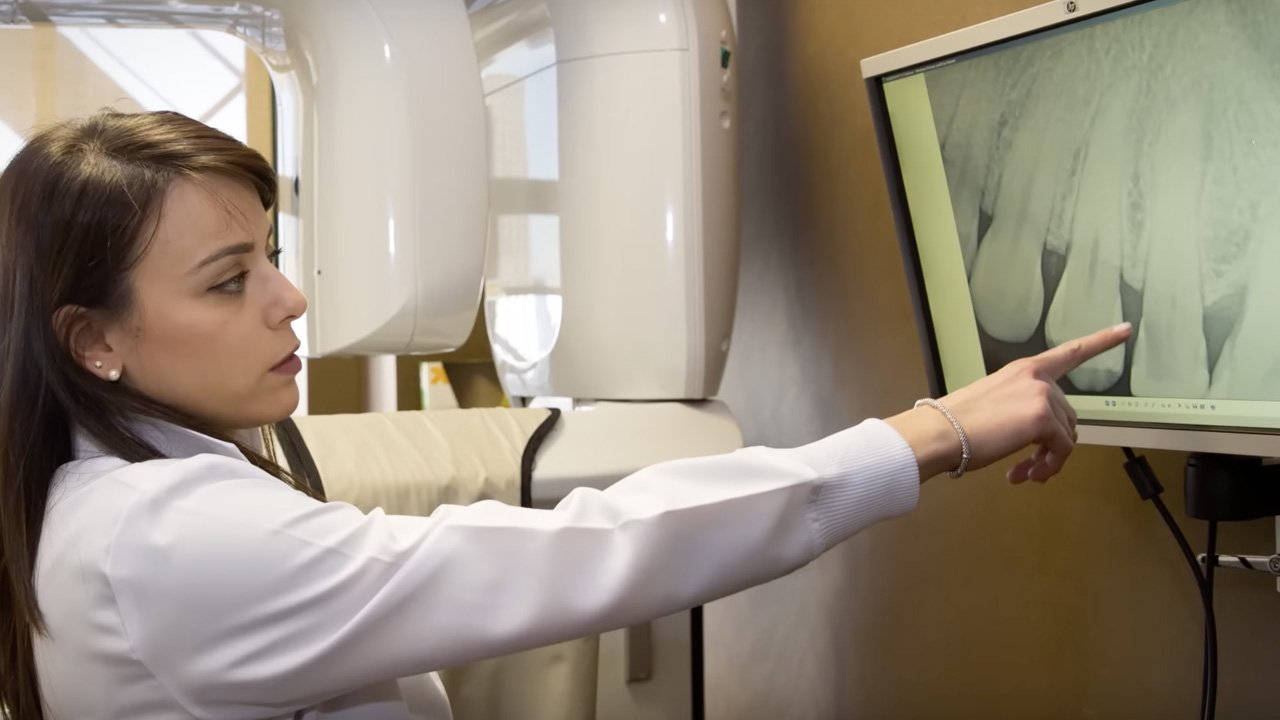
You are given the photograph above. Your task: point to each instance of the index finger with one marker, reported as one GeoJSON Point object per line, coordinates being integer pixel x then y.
{"type": "Point", "coordinates": [1058, 361]}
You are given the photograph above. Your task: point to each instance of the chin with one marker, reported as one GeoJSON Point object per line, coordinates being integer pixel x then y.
{"type": "Point", "coordinates": [271, 410]}
{"type": "Point", "coordinates": [284, 408]}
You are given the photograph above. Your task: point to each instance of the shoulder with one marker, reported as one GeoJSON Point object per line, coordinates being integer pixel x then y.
{"type": "Point", "coordinates": [123, 497]}
{"type": "Point", "coordinates": [111, 474]}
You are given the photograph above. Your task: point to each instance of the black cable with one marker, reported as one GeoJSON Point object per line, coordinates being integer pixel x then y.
{"type": "Point", "coordinates": [1148, 486]}
{"type": "Point", "coordinates": [1210, 692]}
{"type": "Point", "coordinates": [698, 663]}
{"type": "Point", "coordinates": [1208, 666]}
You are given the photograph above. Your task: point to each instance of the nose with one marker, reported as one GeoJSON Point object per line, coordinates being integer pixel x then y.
{"type": "Point", "coordinates": [289, 302]}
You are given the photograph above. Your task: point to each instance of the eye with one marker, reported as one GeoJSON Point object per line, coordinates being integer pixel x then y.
{"type": "Point", "coordinates": [234, 286]}
{"type": "Point", "coordinates": [273, 256]}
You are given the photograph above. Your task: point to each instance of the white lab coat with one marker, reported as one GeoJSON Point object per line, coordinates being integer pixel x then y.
{"type": "Point", "coordinates": [200, 587]}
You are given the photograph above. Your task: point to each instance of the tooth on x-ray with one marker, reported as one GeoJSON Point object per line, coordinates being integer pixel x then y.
{"type": "Point", "coordinates": [1170, 358]}
{"type": "Point", "coordinates": [966, 200]}
{"type": "Point", "coordinates": [1088, 296]}
{"type": "Point", "coordinates": [1249, 367]}
{"type": "Point", "coordinates": [966, 114]}
{"type": "Point", "coordinates": [1007, 285]}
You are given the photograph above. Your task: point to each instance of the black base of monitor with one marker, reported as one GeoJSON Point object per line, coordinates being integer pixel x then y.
{"type": "Point", "coordinates": [1231, 487]}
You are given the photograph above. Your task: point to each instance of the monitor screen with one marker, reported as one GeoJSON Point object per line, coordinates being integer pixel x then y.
{"type": "Point", "coordinates": [1121, 164]}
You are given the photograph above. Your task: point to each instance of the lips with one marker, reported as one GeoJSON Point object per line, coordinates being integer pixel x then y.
{"type": "Point", "coordinates": [287, 357]}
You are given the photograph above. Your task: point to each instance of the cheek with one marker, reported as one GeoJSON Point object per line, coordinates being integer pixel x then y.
{"type": "Point", "coordinates": [210, 358]}
{"type": "Point", "coordinates": [186, 341]}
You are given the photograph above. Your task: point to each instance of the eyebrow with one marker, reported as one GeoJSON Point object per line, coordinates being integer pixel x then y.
{"type": "Point", "coordinates": [243, 248]}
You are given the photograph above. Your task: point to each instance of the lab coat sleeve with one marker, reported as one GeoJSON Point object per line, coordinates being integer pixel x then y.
{"type": "Point", "coordinates": [248, 599]}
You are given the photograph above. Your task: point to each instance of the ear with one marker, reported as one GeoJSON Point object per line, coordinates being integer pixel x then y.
{"type": "Point", "coordinates": [84, 335]}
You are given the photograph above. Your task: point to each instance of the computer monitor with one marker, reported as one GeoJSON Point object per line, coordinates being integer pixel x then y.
{"type": "Point", "coordinates": [1086, 162]}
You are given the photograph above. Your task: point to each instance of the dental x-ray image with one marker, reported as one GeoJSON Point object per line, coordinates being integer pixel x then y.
{"type": "Point", "coordinates": [1129, 170]}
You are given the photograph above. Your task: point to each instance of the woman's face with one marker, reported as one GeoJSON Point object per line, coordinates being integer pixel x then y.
{"type": "Point", "coordinates": [209, 329]}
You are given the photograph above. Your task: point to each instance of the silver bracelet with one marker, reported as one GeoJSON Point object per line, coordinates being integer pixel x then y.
{"type": "Point", "coordinates": [964, 439]}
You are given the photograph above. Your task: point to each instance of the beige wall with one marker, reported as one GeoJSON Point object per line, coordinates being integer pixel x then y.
{"type": "Point", "coordinates": [46, 78]}
{"type": "Point", "coordinates": [1062, 601]}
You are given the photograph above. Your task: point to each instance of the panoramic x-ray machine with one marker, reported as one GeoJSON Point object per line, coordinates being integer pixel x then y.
{"type": "Point", "coordinates": [572, 159]}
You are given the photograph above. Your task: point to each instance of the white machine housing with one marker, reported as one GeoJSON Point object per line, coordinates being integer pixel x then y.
{"type": "Point", "coordinates": [613, 245]}
{"type": "Point", "coordinates": [613, 230]}
{"type": "Point", "coordinates": [392, 213]}
{"type": "Point", "coordinates": [382, 223]}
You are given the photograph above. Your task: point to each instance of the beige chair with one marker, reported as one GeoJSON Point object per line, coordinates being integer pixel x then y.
{"type": "Point", "coordinates": [409, 463]}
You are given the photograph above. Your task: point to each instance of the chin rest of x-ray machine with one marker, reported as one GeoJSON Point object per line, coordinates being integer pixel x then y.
{"type": "Point", "coordinates": [590, 146]}
{"type": "Point", "coordinates": [412, 462]}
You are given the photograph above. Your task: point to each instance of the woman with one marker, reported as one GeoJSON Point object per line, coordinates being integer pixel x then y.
{"type": "Point", "coordinates": [156, 566]}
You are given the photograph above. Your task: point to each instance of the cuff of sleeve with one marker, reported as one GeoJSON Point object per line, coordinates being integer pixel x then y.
{"type": "Point", "coordinates": [871, 474]}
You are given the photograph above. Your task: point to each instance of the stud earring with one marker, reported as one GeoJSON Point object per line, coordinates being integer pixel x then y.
{"type": "Point", "coordinates": [114, 375]}
{"type": "Point", "coordinates": [97, 364]}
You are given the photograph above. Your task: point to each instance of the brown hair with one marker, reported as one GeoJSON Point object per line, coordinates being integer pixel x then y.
{"type": "Point", "coordinates": [78, 205]}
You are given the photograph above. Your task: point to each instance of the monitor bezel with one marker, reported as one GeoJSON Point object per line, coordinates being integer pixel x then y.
{"type": "Point", "coordinates": [918, 56]}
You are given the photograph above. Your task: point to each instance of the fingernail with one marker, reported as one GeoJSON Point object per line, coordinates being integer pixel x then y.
{"type": "Point", "coordinates": [1122, 327]}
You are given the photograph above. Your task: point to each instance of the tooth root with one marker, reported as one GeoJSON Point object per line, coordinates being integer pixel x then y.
{"type": "Point", "coordinates": [966, 128]}
{"type": "Point", "coordinates": [1088, 295]}
{"type": "Point", "coordinates": [949, 90]}
{"type": "Point", "coordinates": [965, 161]}
{"type": "Point", "coordinates": [966, 198]}
{"type": "Point", "coordinates": [1058, 234]}
{"type": "Point", "coordinates": [1170, 358]}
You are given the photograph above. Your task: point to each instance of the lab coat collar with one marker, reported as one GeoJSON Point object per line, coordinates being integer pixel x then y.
{"type": "Point", "coordinates": [173, 441]}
